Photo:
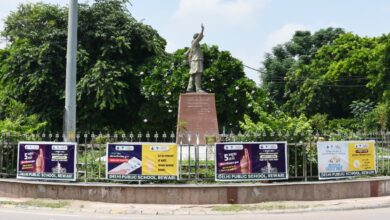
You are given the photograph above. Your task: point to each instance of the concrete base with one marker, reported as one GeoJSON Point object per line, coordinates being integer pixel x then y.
{"type": "Point", "coordinates": [197, 114]}
{"type": "Point", "coordinates": [197, 194]}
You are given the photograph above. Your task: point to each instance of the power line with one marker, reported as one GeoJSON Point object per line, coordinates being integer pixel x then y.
{"type": "Point", "coordinates": [330, 85]}
{"type": "Point", "coordinates": [346, 77]}
{"type": "Point", "coordinates": [303, 80]}
{"type": "Point", "coordinates": [281, 80]}
{"type": "Point", "coordinates": [252, 68]}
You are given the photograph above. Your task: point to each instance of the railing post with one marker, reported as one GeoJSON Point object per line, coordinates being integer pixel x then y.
{"type": "Point", "coordinates": [387, 135]}
{"type": "Point", "coordinates": [173, 137]}
{"type": "Point", "coordinates": [388, 151]}
{"type": "Point", "coordinates": [13, 146]}
{"type": "Point", "coordinates": [296, 154]}
{"type": "Point", "coordinates": [181, 155]}
{"type": "Point", "coordinates": [2, 136]}
{"type": "Point", "coordinates": [155, 137]}
{"type": "Point", "coordinates": [197, 157]}
{"type": "Point", "coordinates": [131, 136]}
{"type": "Point", "coordinates": [189, 155]}
{"type": "Point", "coordinates": [76, 160]}
{"type": "Point", "coordinates": [85, 161]}
{"type": "Point", "coordinates": [164, 136]}
{"type": "Point", "coordinates": [305, 156]}
{"type": "Point", "coordinates": [92, 156]}
{"type": "Point", "coordinates": [147, 136]}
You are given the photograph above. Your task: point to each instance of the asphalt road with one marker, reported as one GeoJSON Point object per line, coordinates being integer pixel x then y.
{"type": "Point", "coordinates": [20, 214]}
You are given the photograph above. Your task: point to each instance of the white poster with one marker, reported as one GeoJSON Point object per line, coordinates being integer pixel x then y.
{"type": "Point", "coordinates": [340, 159]}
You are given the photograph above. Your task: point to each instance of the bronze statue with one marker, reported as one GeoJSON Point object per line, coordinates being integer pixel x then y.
{"type": "Point", "coordinates": [195, 59]}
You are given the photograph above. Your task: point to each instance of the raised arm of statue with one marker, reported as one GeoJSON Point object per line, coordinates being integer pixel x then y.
{"type": "Point", "coordinates": [199, 37]}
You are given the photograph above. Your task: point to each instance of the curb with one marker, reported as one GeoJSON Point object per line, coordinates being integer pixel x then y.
{"type": "Point", "coordinates": [184, 211]}
{"type": "Point", "coordinates": [287, 211]}
{"type": "Point", "coordinates": [212, 194]}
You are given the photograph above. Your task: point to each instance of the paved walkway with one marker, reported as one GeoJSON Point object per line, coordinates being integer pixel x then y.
{"type": "Point", "coordinates": [74, 206]}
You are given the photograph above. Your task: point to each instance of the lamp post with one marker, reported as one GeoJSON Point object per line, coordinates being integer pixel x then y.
{"type": "Point", "coordinates": [70, 88]}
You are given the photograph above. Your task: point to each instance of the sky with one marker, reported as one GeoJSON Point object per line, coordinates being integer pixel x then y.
{"type": "Point", "coordinates": [246, 28]}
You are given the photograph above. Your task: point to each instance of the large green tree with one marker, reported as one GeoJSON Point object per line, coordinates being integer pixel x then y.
{"type": "Point", "coordinates": [112, 45]}
{"type": "Point", "coordinates": [337, 80]}
{"type": "Point", "coordinates": [285, 57]}
{"type": "Point", "coordinates": [347, 70]}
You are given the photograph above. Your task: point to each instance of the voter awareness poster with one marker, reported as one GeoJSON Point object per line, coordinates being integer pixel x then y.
{"type": "Point", "coordinates": [340, 159]}
{"type": "Point", "coordinates": [141, 161]}
{"type": "Point", "coordinates": [47, 161]}
{"type": "Point", "coordinates": [251, 161]}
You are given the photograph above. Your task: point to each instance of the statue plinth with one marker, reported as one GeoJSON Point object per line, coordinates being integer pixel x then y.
{"type": "Point", "coordinates": [197, 115]}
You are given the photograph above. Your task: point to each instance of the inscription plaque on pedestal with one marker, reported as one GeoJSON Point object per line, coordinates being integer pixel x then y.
{"type": "Point", "coordinates": [197, 115]}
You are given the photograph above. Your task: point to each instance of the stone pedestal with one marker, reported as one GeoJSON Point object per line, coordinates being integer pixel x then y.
{"type": "Point", "coordinates": [197, 114]}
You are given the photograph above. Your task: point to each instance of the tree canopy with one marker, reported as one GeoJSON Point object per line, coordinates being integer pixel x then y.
{"type": "Point", "coordinates": [337, 75]}
{"type": "Point", "coordinates": [285, 57]}
{"type": "Point", "coordinates": [125, 79]}
{"type": "Point", "coordinates": [336, 79]}
{"type": "Point", "coordinates": [112, 45]}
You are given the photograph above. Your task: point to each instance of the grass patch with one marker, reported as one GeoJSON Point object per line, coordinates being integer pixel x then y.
{"type": "Point", "coordinates": [259, 207]}
{"type": "Point", "coordinates": [39, 203]}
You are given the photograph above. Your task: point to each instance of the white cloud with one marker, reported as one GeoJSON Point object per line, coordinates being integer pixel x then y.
{"type": "Point", "coordinates": [221, 12]}
{"type": "Point", "coordinates": [282, 35]}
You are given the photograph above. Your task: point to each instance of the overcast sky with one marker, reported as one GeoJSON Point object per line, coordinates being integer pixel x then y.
{"type": "Point", "coordinates": [247, 28]}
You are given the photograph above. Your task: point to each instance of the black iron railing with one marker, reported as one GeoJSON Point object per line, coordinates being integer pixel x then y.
{"type": "Point", "coordinates": [196, 162]}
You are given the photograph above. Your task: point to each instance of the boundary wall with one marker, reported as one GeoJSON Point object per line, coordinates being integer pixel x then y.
{"type": "Point", "coordinates": [198, 194]}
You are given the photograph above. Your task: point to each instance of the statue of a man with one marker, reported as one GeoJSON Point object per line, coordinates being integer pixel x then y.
{"type": "Point", "coordinates": [195, 59]}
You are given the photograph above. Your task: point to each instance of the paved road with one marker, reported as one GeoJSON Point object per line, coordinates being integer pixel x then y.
{"type": "Point", "coordinates": [20, 214]}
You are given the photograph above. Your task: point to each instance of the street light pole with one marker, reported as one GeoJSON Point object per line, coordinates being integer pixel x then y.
{"type": "Point", "coordinates": [70, 88]}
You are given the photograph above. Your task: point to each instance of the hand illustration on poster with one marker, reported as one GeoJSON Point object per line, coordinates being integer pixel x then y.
{"type": "Point", "coordinates": [245, 162]}
{"type": "Point", "coordinates": [40, 162]}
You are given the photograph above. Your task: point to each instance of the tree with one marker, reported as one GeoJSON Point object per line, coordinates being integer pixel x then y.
{"type": "Point", "coordinates": [325, 75]}
{"type": "Point", "coordinates": [285, 57]}
{"type": "Point", "coordinates": [14, 117]}
{"type": "Point", "coordinates": [360, 108]}
{"type": "Point", "coordinates": [337, 75]}
{"type": "Point", "coordinates": [112, 45]}
{"type": "Point", "coordinates": [31, 66]}
{"type": "Point", "coordinates": [268, 118]}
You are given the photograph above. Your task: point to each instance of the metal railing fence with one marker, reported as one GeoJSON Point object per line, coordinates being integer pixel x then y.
{"type": "Point", "coordinates": [196, 162]}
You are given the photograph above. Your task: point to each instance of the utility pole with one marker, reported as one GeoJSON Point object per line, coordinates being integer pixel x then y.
{"type": "Point", "coordinates": [70, 88]}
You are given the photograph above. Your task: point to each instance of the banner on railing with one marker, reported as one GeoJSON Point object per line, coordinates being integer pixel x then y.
{"type": "Point", "coordinates": [340, 159]}
{"type": "Point", "coordinates": [47, 161]}
{"type": "Point", "coordinates": [251, 161]}
{"type": "Point", "coordinates": [141, 161]}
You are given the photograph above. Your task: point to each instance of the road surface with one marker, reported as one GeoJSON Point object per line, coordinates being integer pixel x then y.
{"type": "Point", "coordinates": [21, 214]}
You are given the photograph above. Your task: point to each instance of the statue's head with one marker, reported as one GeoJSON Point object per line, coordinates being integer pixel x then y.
{"type": "Point", "coordinates": [196, 35]}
